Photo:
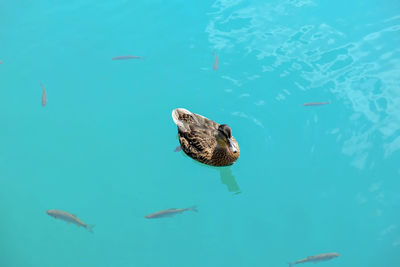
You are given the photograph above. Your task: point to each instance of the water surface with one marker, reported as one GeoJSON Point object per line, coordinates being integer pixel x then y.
{"type": "Point", "coordinates": [309, 180]}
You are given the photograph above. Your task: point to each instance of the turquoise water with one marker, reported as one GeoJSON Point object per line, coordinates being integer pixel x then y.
{"type": "Point", "coordinates": [309, 180]}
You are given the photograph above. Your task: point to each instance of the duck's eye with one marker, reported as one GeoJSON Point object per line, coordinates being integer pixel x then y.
{"type": "Point", "coordinates": [225, 130]}
{"type": "Point", "coordinates": [228, 132]}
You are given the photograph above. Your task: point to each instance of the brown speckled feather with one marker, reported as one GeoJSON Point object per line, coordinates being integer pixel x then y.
{"type": "Point", "coordinates": [197, 136]}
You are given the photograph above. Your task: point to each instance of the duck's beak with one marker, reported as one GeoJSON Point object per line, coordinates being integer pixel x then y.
{"type": "Point", "coordinates": [232, 146]}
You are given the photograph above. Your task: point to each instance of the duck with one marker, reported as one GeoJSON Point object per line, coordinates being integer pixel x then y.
{"type": "Point", "coordinates": [205, 140]}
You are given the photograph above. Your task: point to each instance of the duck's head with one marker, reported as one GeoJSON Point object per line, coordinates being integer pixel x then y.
{"type": "Point", "coordinates": [225, 138]}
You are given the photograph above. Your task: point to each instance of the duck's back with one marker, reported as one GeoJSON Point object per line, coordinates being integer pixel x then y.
{"type": "Point", "coordinates": [187, 121]}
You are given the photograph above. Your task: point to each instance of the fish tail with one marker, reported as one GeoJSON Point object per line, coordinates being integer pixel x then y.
{"type": "Point", "coordinates": [90, 227]}
{"type": "Point", "coordinates": [193, 208]}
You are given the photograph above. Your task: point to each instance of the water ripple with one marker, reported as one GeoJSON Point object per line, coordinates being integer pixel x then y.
{"type": "Point", "coordinates": [361, 70]}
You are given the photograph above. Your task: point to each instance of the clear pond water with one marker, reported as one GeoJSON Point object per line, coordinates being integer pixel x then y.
{"type": "Point", "coordinates": [309, 180]}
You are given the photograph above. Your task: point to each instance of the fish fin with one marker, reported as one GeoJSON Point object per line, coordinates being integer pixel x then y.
{"type": "Point", "coordinates": [193, 208]}
{"type": "Point", "coordinates": [290, 264]}
{"type": "Point", "coordinates": [90, 227]}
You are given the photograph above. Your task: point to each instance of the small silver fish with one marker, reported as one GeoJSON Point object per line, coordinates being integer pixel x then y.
{"type": "Point", "coordinates": [177, 149]}
{"type": "Point", "coordinates": [316, 258]}
{"type": "Point", "coordinates": [215, 66]}
{"type": "Point", "coordinates": [70, 218]}
{"type": "Point", "coordinates": [44, 95]}
{"type": "Point", "coordinates": [126, 57]}
{"type": "Point", "coordinates": [313, 104]}
{"type": "Point", "coordinates": [169, 212]}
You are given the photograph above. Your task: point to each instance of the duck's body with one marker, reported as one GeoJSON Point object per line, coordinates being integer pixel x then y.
{"type": "Point", "coordinates": [205, 140]}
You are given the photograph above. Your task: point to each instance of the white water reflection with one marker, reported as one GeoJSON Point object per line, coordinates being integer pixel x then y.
{"type": "Point", "coordinates": [251, 118]}
{"type": "Point", "coordinates": [234, 81]}
{"type": "Point", "coordinates": [361, 71]}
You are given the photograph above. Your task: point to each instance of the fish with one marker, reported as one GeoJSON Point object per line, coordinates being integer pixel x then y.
{"type": "Point", "coordinates": [316, 258]}
{"type": "Point", "coordinates": [169, 212]}
{"type": "Point", "coordinates": [44, 96]}
{"type": "Point", "coordinates": [69, 218]}
{"type": "Point", "coordinates": [177, 149]}
{"type": "Point", "coordinates": [215, 67]}
{"type": "Point", "coordinates": [126, 57]}
{"type": "Point", "coordinates": [316, 104]}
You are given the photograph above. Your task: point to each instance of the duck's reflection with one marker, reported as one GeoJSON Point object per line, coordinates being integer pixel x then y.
{"type": "Point", "coordinates": [226, 175]}
{"type": "Point", "coordinates": [229, 179]}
